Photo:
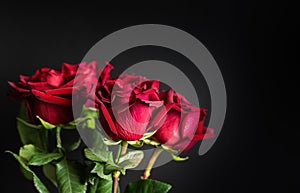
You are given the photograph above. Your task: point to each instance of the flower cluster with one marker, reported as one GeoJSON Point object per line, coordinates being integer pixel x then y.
{"type": "Point", "coordinates": [129, 108]}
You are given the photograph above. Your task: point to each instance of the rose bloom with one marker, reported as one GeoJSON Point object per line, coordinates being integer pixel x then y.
{"type": "Point", "coordinates": [182, 126]}
{"type": "Point", "coordinates": [48, 93]}
{"type": "Point", "coordinates": [126, 104]}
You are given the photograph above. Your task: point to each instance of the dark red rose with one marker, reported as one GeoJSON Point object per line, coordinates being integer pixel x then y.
{"type": "Point", "coordinates": [48, 93]}
{"type": "Point", "coordinates": [182, 126]}
{"type": "Point", "coordinates": [126, 104]}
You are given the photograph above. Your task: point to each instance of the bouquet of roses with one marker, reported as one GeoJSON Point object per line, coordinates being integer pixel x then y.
{"type": "Point", "coordinates": [124, 113]}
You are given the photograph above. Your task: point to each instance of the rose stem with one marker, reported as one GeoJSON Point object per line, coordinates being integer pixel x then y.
{"type": "Point", "coordinates": [152, 160]}
{"type": "Point", "coordinates": [58, 139]}
{"type": "Point", "coordinates": [118, 153]}
{"type": "Point", "coordinates": [116, 174]}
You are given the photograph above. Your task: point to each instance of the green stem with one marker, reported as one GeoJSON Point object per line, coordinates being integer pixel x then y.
{"type": "Point", "coordinates": [124, 148]}
{"type": "Point", "coordinates": [118, 153]}
{"type": "Point", "coordinates": [152, 160]}
{"type": "Point", "coordinates": [58, 138]}
{"type": "Point", "coordinates": [116, 174]}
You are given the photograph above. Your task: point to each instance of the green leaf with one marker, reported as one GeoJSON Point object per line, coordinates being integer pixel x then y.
{"type": "Point", "coordinates": [136, 143]}
{"type": "Point", "coordinates": [151, 142]}
{"type": "Point", "coordinates": [105, 186]}
{"type": "Point", "coordinates": [101, 186]}
{"type": "Point", "coordinates": [98, 141]}
{"type": "Point", "coordinates": [70, 125]}
{"type": "Point", "coordinates": [178, 158]}
{"type": "Point", "coordinates": [28, 151]}
{"type": "Point", "coordinates": [45, 124]}
{"type": "Point", "coordinates": [147, 186]}
{"type": "Point", "coordinates": [92, 188]}
{"type": "Point", "coordinates": [89, 165]}
{"type": "Point", "coordinates": [110, 142]}
{"type": "Point", "coordinates": [23, 112]}
{"type": "Point", "coordinates": [32, 134]}
{"type": "Point", "coordinates": [44, 158]}
{"type": "Point", "coordinates": [99, 170]}
{"type": "Point", "coordinates": [36, 181]}
{"type": "Point", "coordinates": [131, 159]}
{"type": "Point", "coordinates": [37, 157]}
{"type": "Point", "coordinates": [29, 124]}
{"type": "Point", "coordinates": [73, 145]}
{"type": "Point", "coordinates": [68, 176]}
{"type": "Point", "coordinates": [49, 172]}
{"type": "Point", "coordinates": [170, 150]}
{"type": "Point", "coordinates": [90, 123]}
{"type": "Point", "coordinates": [148, 135]}
{"type": "Point", "coordinates": [111, 167]}
{"type": "Point", "coordinates": [89, 112]}
{"type": "Point", "coordinates": [88, 116]}
{"type": "Point", "coordinates": [26, 174]}
{"type": "Point", "coordinates": [101, 156]}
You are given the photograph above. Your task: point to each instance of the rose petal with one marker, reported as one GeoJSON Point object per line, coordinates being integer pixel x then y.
{"type": "Point", "coordinates": [208, 133]}
{"type": "Point", "coordinates": [52, 113]}
{"type": "Point", "coordinates": [51, 99]}
{"type": "Point", "coordinates": [19, 89]}
{"type": "Point", "coordinates": [107, 120]}
{"type": "Point", "coordinates": [39, 85]}
{"type": "Point", "coordinates": [68, 84]}
{"type": "Point", "coordinates": [169, 97]}
{"type": "Point", "coordinates": [201, 121]}
{"type": "Point", "coordinates": [105, 73]}
{"type": "Point", "coordinates": [189, 124]}
{"type": "Point", "coordinates": [55, 78]}
{"type": "Point", "coordinates": [39, 75]}
{"type": "Point", "coordinates": [60, 91]}
{"type": "Point", "coordinates": [168, 133]}
{"type": "Point", "coordinates": [69, 70]}
{"type": "Point", "coordinates": [152, 86]}
{"type": "Point", "coordinates": [23, 78]}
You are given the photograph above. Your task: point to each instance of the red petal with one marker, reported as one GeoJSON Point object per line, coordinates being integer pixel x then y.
{"type": "Point", "coordinates": [24, 79]}
{"type": "Point", "coordinates": [60, 91]}
{"type": "Point", "coordinates": [154, 97]}
{"type": "Point", "coordinates": [131, 123]}
{"type": "Point", "coordinates": [69, 70]}
{"type": "Point", "coordinates": [105, 73]}
{"type": "Point", "coordinates": [68, 84]}
{"type": "Point", "coordinates": [189, 124]}
{"type": "Point", "coordinates": [108, 118]}
{"type": "Point", "coordinates": [160, 115]}
{"type": "Point", "coordinates": [14, 86]}
{"type": "Point", "coordinates": [55, 78]}
{"type": "Point", "coordinates": [168, 96]}
{"type": "Point", "coordinates": [51, 99]}
{"type": "Point", "coordinates": [209, 133]}
{"type": "Point", "coordinates": [52, 113]}
{"type": "Point", "coordinates": [43, 70]}
{"type": "Point", "coordinates": [201, 121]}
{"type": "Point", "coordinates": [38, 73]}
{"type": "Point", "coordinates": [39, 85]}
{"type": "Point", "coordinates": [168, 133]}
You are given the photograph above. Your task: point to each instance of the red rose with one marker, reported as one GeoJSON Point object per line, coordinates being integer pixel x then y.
{"type": "Point", "coordinates": [132, 99]}
{"type": "Point", "coordinates": [182, 127]}
{"type": "Point", "coordinates": [48, 93]}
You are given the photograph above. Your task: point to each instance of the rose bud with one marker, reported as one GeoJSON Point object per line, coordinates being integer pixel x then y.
{"type": "Point", "coordinates": [126, 105]}
{"type": "Point", "coordinates": [48, 93]}
{"type": "Point", "coordinates": [182, 126]}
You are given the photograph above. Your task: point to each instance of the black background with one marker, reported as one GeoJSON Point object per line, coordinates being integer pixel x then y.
{"type": "Point", "coordinates": [252, 43]}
